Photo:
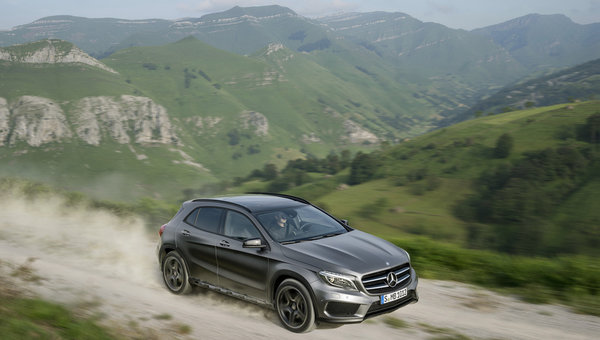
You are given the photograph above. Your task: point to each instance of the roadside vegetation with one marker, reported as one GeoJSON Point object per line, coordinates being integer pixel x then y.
{"type": "Point", "coordinates": [30, 318]}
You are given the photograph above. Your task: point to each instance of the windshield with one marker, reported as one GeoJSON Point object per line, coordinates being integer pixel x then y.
{"type": "Point", "coordinates": [299, 224]}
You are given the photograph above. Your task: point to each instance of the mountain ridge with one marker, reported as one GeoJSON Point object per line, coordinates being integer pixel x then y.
{"type": "Point", "coordinates": [452, 68]}
{"type": "Point", "coordinates": [49, 51]}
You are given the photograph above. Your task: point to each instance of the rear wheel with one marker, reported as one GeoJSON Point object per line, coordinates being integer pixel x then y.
{"type": "Point", "coordinates": [175, 273]}
{"type": "Point", "coordinates": [294, 306]}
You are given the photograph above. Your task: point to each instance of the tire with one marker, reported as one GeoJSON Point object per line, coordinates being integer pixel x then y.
{"type": "Point", "coordinates": [175, 273]}
{"type": "Point", "coordinates": [294, 306]}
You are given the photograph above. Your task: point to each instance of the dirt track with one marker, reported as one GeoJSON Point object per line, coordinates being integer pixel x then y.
{"type": "Point", "coordinates": [65, 255]}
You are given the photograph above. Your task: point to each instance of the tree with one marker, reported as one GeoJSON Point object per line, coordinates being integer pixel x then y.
{"type": "Point", "coordinates": [362, 169]}
{"type": "Point", "coordinates": [504, 145]}
{"type": "Point", "coordinates": [590, 131]}
{"type": "Point", "coordinates": [270, 172]}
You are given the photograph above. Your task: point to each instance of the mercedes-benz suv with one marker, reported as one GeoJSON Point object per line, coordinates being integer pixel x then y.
{"type": "Point", "coordinates": [286, 253]}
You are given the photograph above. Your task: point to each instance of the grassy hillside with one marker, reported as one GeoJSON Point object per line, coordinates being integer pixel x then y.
{"type": "Point", "coordinates": [424, 186]}
{"type": "Point", "coordinates": [306, 105]}
{"type": "Point", "coordinates": [61, 82]}
{"type": "Point", "coordinates": [110, 171]}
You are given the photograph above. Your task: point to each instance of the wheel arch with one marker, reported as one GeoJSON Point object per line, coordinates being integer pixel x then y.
{"type": "Point", "coordinates": [164, 250]}
{"type": "Point", "coordinates": [284, 274]}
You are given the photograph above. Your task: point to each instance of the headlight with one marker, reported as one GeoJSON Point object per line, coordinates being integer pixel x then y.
{"type": "Point", "coordinates": [339, 280]}
{"type": "Point", "coordinates": [407, 255]}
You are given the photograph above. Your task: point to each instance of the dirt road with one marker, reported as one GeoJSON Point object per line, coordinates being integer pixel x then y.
{"type": "Point", "coordinates": [102, 265]}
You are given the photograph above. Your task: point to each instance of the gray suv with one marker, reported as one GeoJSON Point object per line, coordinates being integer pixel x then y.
{"type": "Point", "coordinates": [283, 252]}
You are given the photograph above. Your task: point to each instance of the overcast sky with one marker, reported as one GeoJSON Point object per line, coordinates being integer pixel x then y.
{"type": "Point", "coordinates": [466, 14]}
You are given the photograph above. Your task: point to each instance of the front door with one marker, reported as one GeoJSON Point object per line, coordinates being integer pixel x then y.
{"type": "Point", "coordinates": [242, 270]}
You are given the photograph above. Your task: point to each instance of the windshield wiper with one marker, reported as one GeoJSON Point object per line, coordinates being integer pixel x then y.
{"type": "Point", "coordinates": [293, 241]}
{"type": "Point", "coordinates": [324, 236]}
{"type": "Point", "coordinates": [310, 238]}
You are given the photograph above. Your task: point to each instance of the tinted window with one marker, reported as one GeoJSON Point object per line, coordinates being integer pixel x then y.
{"type": "Point", "coordinates": [239, 226]}
{"type": "Point", "coordinates": [191, 218]}
{"type": "Point", "coordinates": [209, 219]}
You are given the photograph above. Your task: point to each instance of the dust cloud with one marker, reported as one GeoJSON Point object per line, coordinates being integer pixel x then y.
{"type": "Point", "coordinates": [80, 236]}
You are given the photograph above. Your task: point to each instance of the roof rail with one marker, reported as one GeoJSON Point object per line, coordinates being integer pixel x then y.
{"type": "Point", "coordinates": [295, 198]}
{"type": "Point", "coordinates": [220, 201]}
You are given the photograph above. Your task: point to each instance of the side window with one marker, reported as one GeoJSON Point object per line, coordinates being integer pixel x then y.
{"type": "Point", "coordinates": [191, 218]}
{"type": "Point", "coordinates": [239, 226]}
{"type": "Point", "coordinates": [209, 219]}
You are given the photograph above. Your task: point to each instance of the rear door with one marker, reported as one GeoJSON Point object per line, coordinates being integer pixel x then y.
{"type": "Point", "coordinates": [198, 238]}
{"type": "Point", "coordinates": [242, 270]}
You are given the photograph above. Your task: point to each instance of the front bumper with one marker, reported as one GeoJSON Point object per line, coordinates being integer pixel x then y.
{"type": "Point", "coordinates": [341, 306]}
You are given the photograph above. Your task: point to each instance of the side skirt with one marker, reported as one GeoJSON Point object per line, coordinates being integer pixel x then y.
{"type": "Point", "coordinates": [229, 292]}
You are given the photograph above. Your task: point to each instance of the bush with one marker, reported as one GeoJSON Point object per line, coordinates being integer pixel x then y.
{"type": "Point", "coordinates": [374, 209]}
{"type": "Point", "coordinates": [150, 66]}
{"type": "Point", "coordinates": [574, 280]}
{"type": "Point", "coordinates": [234, 137]}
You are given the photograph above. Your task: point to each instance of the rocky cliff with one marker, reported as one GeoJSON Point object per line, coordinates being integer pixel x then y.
{"type": "Point", "coordinates": [38, 121]}
{"type": "Point", "coordinates": [123, 119]}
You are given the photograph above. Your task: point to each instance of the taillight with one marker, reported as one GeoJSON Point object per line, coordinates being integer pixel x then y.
{"type": "Point", "coordinates": [161, 230]}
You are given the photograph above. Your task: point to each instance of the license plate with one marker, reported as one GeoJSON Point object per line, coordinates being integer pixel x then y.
{"type": "Point", "coordinates": [393, 296]}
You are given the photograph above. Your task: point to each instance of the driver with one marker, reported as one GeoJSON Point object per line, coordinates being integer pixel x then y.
{"type": "Point", "coordinates": [279, 226]}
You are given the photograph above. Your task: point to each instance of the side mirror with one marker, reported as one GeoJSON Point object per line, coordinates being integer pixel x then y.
{"type": "Point", "coordinates": [254, 243]}
{"type": "Point", "coordinates": [344, 221]}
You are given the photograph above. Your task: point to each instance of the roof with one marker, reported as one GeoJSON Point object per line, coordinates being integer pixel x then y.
{"type": "Point", "coordinates": [257, 203]}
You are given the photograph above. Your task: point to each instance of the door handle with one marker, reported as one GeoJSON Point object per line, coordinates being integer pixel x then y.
{"type": "Point", "coordinates": [224, 243]}
{"type": "Point", "coordinates": [185, 233]}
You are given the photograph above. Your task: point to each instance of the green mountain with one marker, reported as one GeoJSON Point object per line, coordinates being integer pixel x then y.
{"type": "Point", "coordinates": [279, 87]}
{"type": "Point", "coordinates": [428, 48]}
{"type": "Point", "coordinates": [205, 113]}
{"type": "Point", "coordinates": [581, 82]}
{"type": "Point", "coordinates": [444, 70]}
{"type": "Point", "coordinates": [242, 30]}
{"type": "Point", "coordinates": [538, 41]}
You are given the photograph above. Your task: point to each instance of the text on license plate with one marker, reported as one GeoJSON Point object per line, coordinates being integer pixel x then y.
{"type": "Point", "coordinates": [393, 296]}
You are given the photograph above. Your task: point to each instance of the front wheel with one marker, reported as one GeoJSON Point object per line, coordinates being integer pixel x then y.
{"type": "Point", "coordinates": [294, 306]}
{"type": "Point", "coordinates": [175, 273]}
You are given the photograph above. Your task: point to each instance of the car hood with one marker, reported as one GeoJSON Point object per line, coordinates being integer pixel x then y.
{"type": "Point", "coordinates": [354, 252]}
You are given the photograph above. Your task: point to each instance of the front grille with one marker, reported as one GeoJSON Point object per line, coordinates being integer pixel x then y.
{"type": "Point", "coordinates": [376, 283]}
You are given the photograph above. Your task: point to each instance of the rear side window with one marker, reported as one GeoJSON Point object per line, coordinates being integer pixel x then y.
{"type": "Point", "coordinates": [208, 219]}
{"type": "Point", "coordinates": [191, 219]}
